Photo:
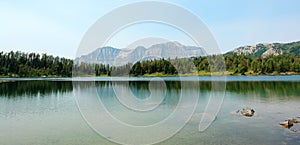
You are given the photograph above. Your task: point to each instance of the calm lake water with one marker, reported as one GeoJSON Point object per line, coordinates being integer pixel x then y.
{"type": "Point", "coordinates": [44, 111]}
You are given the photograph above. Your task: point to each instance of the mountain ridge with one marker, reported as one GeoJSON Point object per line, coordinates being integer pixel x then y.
{"type": "Point", "coordinates": [114, 56]}
{"type": "Point", "coordinates": [173, 49]}
{"type": "Point", "coordinates": [265, 49]}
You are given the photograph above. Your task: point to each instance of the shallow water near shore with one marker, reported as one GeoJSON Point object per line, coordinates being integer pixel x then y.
{"type": "Point", "coordinates": [44, 111]}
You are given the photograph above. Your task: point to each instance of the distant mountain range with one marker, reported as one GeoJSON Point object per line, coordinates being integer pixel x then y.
{"type": "Point", "coordinates": [269, 49]}
{"type": "Point", "coordinates": [117, 57]}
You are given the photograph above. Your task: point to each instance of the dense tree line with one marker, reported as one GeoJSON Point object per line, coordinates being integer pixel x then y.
{"type": "Point", "coordinates": [102, 69]}
{"type": "Point", "coordinates": [165, 67]}
{"type": "Point", "coordinates": [234, 63]}
{"type": "Point", "coordinates": [18, 64]}
{"type": "Point", "coordinates": [242, 64]}
{"type": "Point", "coordinates": [153, 66]}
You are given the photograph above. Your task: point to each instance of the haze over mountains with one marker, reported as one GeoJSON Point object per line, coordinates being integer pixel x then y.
{"type": "Point", "coordinates": [117, 57]}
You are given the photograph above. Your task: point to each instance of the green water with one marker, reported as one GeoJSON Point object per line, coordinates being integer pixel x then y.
{"type": "Point", "coordinates": [45, 112]}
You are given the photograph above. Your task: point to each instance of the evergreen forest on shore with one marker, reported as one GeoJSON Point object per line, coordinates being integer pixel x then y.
{"type": "Point", "coordinates": [20, 64]}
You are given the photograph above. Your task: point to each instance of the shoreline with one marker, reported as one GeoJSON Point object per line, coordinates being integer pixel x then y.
{"type": "Point", "coordinates": [167, 75]}
{"type": "Point", "coordinates": [226, 78]}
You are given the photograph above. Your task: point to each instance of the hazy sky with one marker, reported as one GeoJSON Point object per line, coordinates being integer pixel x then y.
{"type": "Point", "coordinates": [56, 27]}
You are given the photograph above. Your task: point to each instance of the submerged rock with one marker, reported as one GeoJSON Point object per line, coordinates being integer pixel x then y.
{"type": "Point", "coordinates": [289, 123]}
{"type": "Point", "coordinates": [248, 112]}
{"type": "Point", "coordinates": [294, 121]}
{"type": "Point", "coordinates": [286, 124]}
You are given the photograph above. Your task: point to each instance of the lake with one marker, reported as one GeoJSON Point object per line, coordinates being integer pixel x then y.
{"type": "Point", "coordinates": [48, 110]}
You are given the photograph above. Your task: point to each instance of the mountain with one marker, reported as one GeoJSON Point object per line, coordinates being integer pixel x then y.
{"type": "Point", "coordinates": [106, 55]}
{"type": "Point", "coordinates": [116, 57]}
{"type": "Point", "coordinates": [269, 49]}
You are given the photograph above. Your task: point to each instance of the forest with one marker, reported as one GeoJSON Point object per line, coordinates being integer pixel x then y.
{"type": "Point", "coordinates": [19, 64]}
{"type": "Point", "coordinates": [234, 65]}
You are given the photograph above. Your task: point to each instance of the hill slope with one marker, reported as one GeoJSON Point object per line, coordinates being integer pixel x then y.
{"type": "Point", "coordinates": [269, 49]}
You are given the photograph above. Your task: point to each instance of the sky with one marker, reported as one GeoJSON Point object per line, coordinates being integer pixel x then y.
{"type": "Point", "coordinates": [57, 27]}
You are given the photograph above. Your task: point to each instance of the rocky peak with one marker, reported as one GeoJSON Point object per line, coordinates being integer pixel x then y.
{"type": "Point", "coordinates": [265, 49]}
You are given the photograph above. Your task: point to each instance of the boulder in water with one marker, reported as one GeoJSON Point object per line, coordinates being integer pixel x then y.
{"type": "Point", "coordinates": [248, 112]}
{"type": "Point", "coordinates": [289, 123]}
{"type": "Point", "coordinates": [286, 124]}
